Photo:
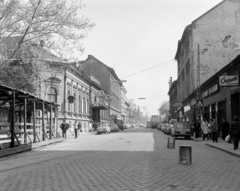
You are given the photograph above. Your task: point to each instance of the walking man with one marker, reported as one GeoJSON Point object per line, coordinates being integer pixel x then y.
{"type": "Point", "coordinates": [80, 127]}
{"type": "Point", "coordinates": [75, 128]}
{"type": "Point", "coordinates": [234, 132]}
{"type": "Point", "coordinates": [196, 128]}
{"type": "Point", "coordinates": [64, 126]}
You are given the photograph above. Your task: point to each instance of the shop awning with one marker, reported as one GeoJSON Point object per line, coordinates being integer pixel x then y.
{"type": "Point", "coordinates": [102, 107]}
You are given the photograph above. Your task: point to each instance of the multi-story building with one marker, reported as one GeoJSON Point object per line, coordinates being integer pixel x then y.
{"type": "Point", "coordinates": [80, 97]}
{"type": "Point", "coordinates": [124, 107]}
{"type": "Point", "coordinates": [208, 44]}
{"type": "Point", "coordinates": [109, 83]}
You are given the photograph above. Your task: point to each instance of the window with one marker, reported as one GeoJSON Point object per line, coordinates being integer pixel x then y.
{"type": "Point", "coordinates": [74, 103]}
{"type": "Point", "coordinates": [84, 106]}
{"type": "Point", "coordinates": [87, 110]}
{"type": "Point", "coordinates": [80, 104]}
{"type": "Point", "coordinates": [69, 106]}
{"type": "Point", "coordinates": [52, 95]}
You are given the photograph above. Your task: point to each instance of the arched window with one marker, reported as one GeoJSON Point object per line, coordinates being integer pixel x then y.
{"type": "Point", "coordinates": [69, 106]}
{"type": "Point", "coordinates": [80, 104]}
{"type": "Point", "coordinates": [74, 103]}
{"type": "Point", "coordinates": [84, 106]}
{"type": "Point", "coordinates": [52, 95]}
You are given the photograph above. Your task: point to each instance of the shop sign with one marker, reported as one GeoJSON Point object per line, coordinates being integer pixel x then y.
{"type": "Point", "coordinates": [186, 109]}
{"type": "Point", "coordinates": [210, 91]}
{"type": "Point", "coordinates": [228, 80]}
{"type": "Point", "coordinates": [180, 113]}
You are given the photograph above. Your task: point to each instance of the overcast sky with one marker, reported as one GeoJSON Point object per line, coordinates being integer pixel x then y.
{"type": "Point", "coordinates": [132, 36]}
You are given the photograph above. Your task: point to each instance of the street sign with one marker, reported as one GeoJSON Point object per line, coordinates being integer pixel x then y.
{"type": "Point", "coordinates": [199, 103]}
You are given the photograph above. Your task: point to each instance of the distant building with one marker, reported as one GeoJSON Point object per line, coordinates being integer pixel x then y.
{"type": "Point", "coordinates": [110, 83]}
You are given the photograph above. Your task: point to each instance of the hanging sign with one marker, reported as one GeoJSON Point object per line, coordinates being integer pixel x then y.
{"type": "Point", "coordinates": [228, 81]}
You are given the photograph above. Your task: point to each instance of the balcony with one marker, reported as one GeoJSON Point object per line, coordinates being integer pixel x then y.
{"type": "Point", "coordinates": [103, 105]}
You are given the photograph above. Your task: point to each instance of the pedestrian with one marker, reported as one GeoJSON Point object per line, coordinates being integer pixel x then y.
{"type": "Point", "coordinates": [234, 132]}
{"type": "Point", "coordinates": [80, 127]}
{"type": "Point", "coordinates": [196, 128]}
{"type": "Point", "coordinates": [209, 130]}
{"type": "Point", "coordinates": [75, 128]}
{"type": "Point", "coordinates": [214, 130]}
{"type": "Point", "coordinates": [225, 128]}
{"type": "Point", "coordinates": [204, 127]}
{"type": "Point", "coordinates": [64, 126]}
{"type": "Point", "coordinates": [90, 126]}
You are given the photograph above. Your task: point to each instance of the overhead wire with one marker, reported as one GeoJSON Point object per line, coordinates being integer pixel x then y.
{"type": "Point", "coordinates": [148, 69]}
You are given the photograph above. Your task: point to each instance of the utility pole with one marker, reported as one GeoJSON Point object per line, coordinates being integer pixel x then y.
{"type": "Point", "coordinates": [198, 83]}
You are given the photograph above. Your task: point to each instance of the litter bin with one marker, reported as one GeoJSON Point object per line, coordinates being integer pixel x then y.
{"type": "Point", "coordinates": [171, 143]}
{"type": "Point", "coordinates": [185, 154]}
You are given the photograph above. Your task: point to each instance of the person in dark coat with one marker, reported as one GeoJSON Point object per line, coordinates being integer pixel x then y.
{"type": "Point", "coordinates": [234, 132]}
{"type": "Point", "coordinates": [197, 128]}
{"type": "Point", "coordinates": [225, 128]}
{"type": "Point", "coordinates": [76, 128]}
{"type": "Point", "coordinates": [214, 130]}
{"type": "Point", "coordinates": [64, 126]}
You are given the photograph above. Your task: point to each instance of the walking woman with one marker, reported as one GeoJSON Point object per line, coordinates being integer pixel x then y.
{"type": "Point", "coordinates": [234, 132]}
{"type": "Point", "coordinates": [214, 130]}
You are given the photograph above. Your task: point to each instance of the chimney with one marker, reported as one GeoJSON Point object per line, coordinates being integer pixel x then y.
{"type": "Point", "coordinates": [170, 82]}
{"type": "Point", "coordinates": [41, 43]}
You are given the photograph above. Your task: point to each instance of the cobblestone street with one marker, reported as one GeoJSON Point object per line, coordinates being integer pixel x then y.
{"type": "Point", "coordinates": [133, 160]}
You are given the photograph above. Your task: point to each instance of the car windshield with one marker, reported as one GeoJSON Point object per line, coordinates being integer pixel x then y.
{"type": "Point", "coordinates": [182, 126]}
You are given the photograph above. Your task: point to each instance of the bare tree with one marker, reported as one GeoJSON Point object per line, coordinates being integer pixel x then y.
{"type": "Point", "coordinates": [33, 31]}
{"type": "Point", "coordinates": [164, 109]}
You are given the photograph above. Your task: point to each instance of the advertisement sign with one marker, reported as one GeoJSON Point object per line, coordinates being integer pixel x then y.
{"type": "Point", "coordinates": [228, 80]}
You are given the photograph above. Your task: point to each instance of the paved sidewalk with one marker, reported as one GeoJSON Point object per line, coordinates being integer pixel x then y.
{"type": "Point", "coordinates": [221, 145]}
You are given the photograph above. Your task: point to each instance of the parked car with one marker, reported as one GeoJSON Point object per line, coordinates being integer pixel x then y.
{"type": "Point", "coordinates": [159, 126]}
{"type": "Point", "coordinates": [168, 129]}
{"type": "Point", "coordinates": [181, 130]}
{"type": "Point", "coordinates": [114, 128]}
{"type": "Point", "coordinates": [104, 129]}
{"type": "Point", "coordinates": [128, 126]}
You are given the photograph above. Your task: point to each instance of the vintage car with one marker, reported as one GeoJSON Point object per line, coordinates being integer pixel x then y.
{"type": "Point", "coordinates": [103, 129]}
{"type": "Point", "coordinates": [114, 128]}
{"type": "Point", "coordinates": [181, 130]}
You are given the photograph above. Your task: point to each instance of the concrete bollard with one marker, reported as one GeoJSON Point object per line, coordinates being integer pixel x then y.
{"type": "Point", "coordinates": [171, 143]}
{"type": "Point", "coordinates": [185, 154]}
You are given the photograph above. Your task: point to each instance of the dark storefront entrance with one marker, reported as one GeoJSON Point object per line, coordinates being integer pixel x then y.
{"type": "Point", "coordinates": [234, 105]}
{"type": "Point", "coordinates": [206, 114]}
{"type": "Point", "coordinates": [213, 111]}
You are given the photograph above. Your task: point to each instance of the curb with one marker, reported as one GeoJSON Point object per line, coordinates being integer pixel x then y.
{"type": "Point", "coordinates": [226, 151]}
{"type": "Point", "coordinates": [48, 142]}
